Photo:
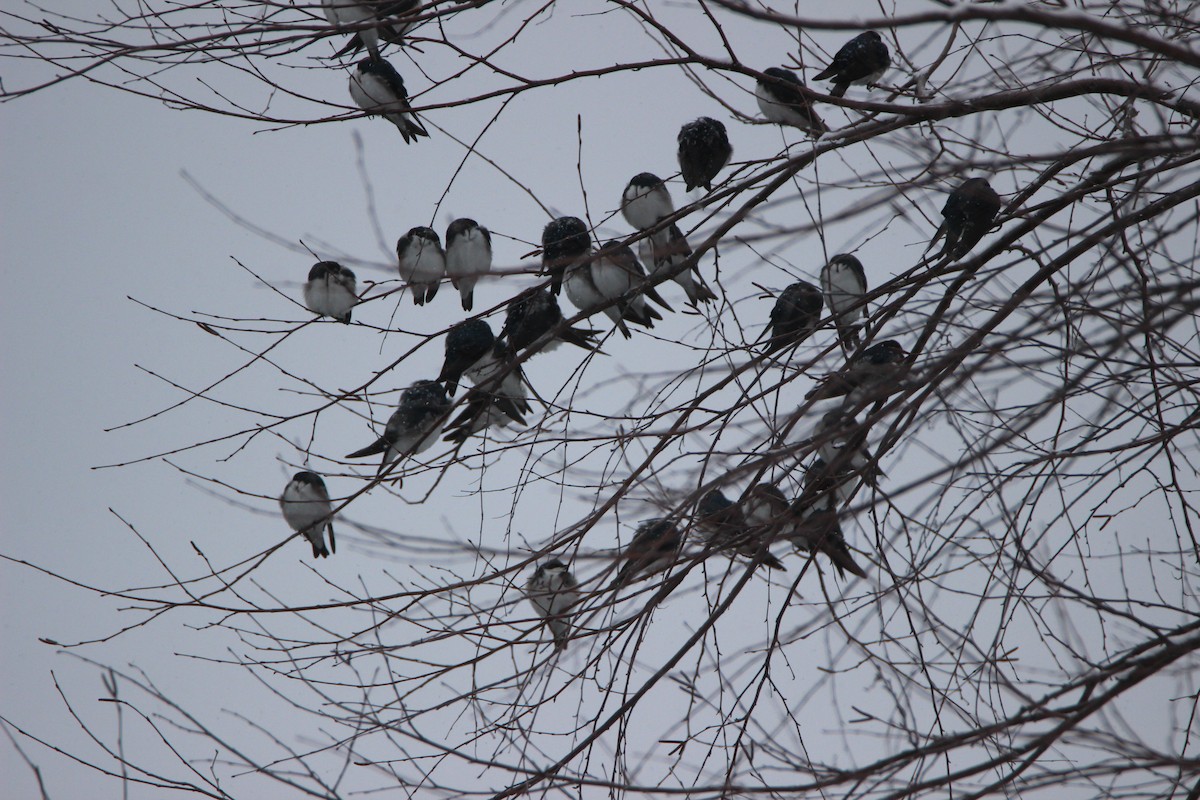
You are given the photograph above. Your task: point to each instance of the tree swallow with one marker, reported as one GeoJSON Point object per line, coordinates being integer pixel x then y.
{"type": "Point", "coordinates": [818, 531]}
{"type": "Point", "coordinates": [618, 276]}
{"type": "Point", "coordinates": [413, 427]}
{"type": "Point", "coordinates": [422, 262]}
{"type": "Point", "coordinates": [725, 527]}
{"type": "Point", "coordinates": [664, 251]}
{"type": "Point", "coordinates": [646, 201]}
{"type": "Point", "coordinates": [861, 61]}
{"type": "Point", "coordinates": [307, 510]}
{"type": "Point", "coordinates": [968, 214]}
{"type": "Point", "coordinates": [864, 373]}
{"type": "Point", "coordinates": [765, 505]}
{"type": "Point", "coordinates": [703, 150]}
{"type": "Point", "coordinates": [842, 448]}
{"type": "Point", "coordinates": [379, 91]}
{"type": "Point", "coordinates": [330, 291]}
{"type": "Point", "coordinates": [783, 99]}
{"type": "Point", "coordinates": [794, 317]}
{"type": "Point", "coordinates": [844, 283]}
{"type": "Point", "coordinates": [467, 343]}
{"type": "Point", "coordinates": [468, 257]}
{"type": "Point", "coordinates": [654, 547]}
{"type": "Point", "coordinates": [564, 241]}
{"type": "Point", "coordinates": [553, 591]}
{"type": "Point", "coordinates": [483, 409]}
{"type": "Point", "coordinates": [393, 21]}
{"type": "Point", "coordinates": [502, 378]}
{"type": "Point", "coordinates": [533, 320]}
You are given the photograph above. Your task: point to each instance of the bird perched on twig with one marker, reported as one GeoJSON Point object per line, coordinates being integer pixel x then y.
{"type": "Point", "coordinates": [794, 317]}
{"type": "Point", "coordinates": [393, 21]}
{"type": "Point", "coordinates": [307, 510]}
{"type": "Point", "coordinates": [553, 591]}
{"type": "Point", "coordinates": [468, 257]}
{"type": "Point", "coordinates": [703, 150]}
{"type": "Point", "coordinates": [844, 283]}
{"type": "Point", "coordinates": [330, 291]}
{"type": "Point", "coordinates": [664, 251]}
{"type": "Point", "coordinates": [725, 527]}
{"type": "Point", "coordinates": [414, 426]}
{"type": "Point", "coordinates": [654, 547]}
{"type": "Point", "coordinates": [818, 531]}
{"type": "Point", "coordinates": [783, 99]}
{"type": "Point", "coordinates": [534, 321]}
{"type": "Point", "coordinates": [422, 262]}
{"type": "Point", "coordinates": [646, 201]}
{"type": "Point", "coordinates": [873, 371]}
{"type": "Point", "coordinates": [467, 343]}
{"type": "Point", "coordinates": [377, 88]}
{"type": "Point", "coordinates": [565, 241]}
{"type": "Point", "coordinates": [968, 214]}
{"type": "Point", "coordinates": [861, 61]}
{"type": "Point", "coordinates": [842, 446]}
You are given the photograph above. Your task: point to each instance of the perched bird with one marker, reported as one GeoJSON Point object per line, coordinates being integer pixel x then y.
{"type": "Point", "coordinates": [795, 315]}
{"type": "Point", "coordinates": [654, 547]}
{"type": "Point", "coordinates": [483, 410]}
{"type": "Point", "coordinates": [818, 531]}
{"type": "Point", "coordinates": [553, 591]}
{"type": "Point", "coordinates": [826, 488]}
{"type": "Point", "coordinates": [565, 241]}
{"type": "Point", "coordinates": [783, 99]}
{"type": "Point", "coordinates": [968, 214]}
{"type": "Point", "coordinates": [618, 276]}
{"type": "Point", "coordinates": [664, 251]}
{"type": "Point", "coordinates": [330, 291]}
{"type": "Point", "coordinates": [765, 505]}
{"type": "Point", "coordinates": [703, 150]}
{"type": "Point", "coordinates": [861, 61]}
{"type": "Point", "coordinates": [502, 379]}
{"type": "Point", "coordinates": [468, 257]}
{"type": "Point", "coordinates": [379, 90]}
{"type": "Point", "coordinates": [725, 526]}
{"type": "Point", "coordinates": [844, 283]}
{"type": "Point", "coordinates": [864, 374]}
{"type": "Point", "coordinates": [842, 446]}
{"type": "Point", "coordinates": [422, 262]}
{"type": "Point", "coordinates": [393, 20]}
{"type": "Point", "coordinates": [534, 321]}
{"type": "Point", "coordinates": [413, 427]}
{"type": "Point", "coordinates": [467, 343]}
{"type": "Point", "coordinates": [646, 201]}
{"type": "Point", "coordinates": [307, 510]}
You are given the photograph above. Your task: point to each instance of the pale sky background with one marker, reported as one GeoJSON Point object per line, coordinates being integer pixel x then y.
{"type": "Point", "coordinates": [96, 210]}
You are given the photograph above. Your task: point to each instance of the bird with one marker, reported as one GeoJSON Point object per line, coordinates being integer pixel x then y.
{"type": "Point", "coordinates": [618, 276]}
{"type": "Point", "coordinates": [645, 201]}
{"type": "Point", "coordinates": [862, 60]}
{"type": "Point", "coordinates": [703, 150]}
{"type": "Point", "coordinates": [565, 241]}
{"type": "Point", "coordinates": [422, 262]}
{"type": "Point", "coordinates": [844, 283]}
{"type": "Point", "coordinates": [466, 343]}
{"type": "Point", "coordinates": [468, 257]}
{"type": "Point", "coordinates": [819, 531]}
{"type": "Point", "coordinates": [654, 547]}
{"type": "Point", "coordinates": [307, 510]}
{"type": "Point", "coordinates": [842, 447]}
{"type": "Point", "coordinates": [415, 425]}
{"type": "Point", "coordinates": [864, 374]}
{"type": "Point", "coordinates": [393, 20]}
{"type": "Point", "coordinates": [825, 487]}
{"type": "Point", "coordinates": [725, 526]}
{"type": "Point", "coordinates": [378, 90]}
{"type": "Point", "coordinates": [664, 251]}
{"type": "Point", "coordinates": [795, 315]}
{"type": "Point", "coordinates": [502, 379]}
{"type": "Point", "coordinates": [765, 507]}
{"type": "Point", "coordinates": [968, 214]}
{"type": "Point", "coordinates": [330, 291]}
{"type": "Point", "coordinates": [483, 409]}
{"type": "Point", "coordinates": [783, 99]}
{"type": "Point", "coordinates": [553, 591]}
{"type": "Point", "coordinates": [533, 321]}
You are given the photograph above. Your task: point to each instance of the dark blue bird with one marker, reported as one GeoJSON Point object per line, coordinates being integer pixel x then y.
{"type": "Point", "coordinates": [467, 343]}
{"type": "Point", "coordinates": [654, 547]}
{"type": "Point", "coordinates": [703, 150]}
{"type": "Point", "coordinates": [379, 90]}
{"type": "Point", "coordinates": [533, 321]}
{"type": "Point", "coordinates": [795, 315]}
{"type": "Point", "coordinates": [862, 60]}
{"type": "Point", "coordinates": [783, 99]}
{"type": "Point", "coordinates": [725, 526]}
{"type": "Point", "coordinates": [968, 214]}
{"type": "Point", "coordinates": [565, 241]}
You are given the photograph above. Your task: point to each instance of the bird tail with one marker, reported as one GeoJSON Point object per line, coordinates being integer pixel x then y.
{"type": "Point", "coordinates": [839, 89]}
{"type": "Point", "coordinates": [698, 292]}
{"type": "Point", "coordinates": [332, 541]}
{"type": "Point", "coordinates": [653, 294]}
{"type": "Point", "coordinates": [824, 74]}
{"type": "Point", "coordinates": [581, 337]}
{"type": "Point", "coordinates": [372, 449]}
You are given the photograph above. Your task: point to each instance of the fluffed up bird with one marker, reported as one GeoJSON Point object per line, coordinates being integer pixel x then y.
{"type": "Point", "coordinates": [393, 21]}
{"type": "Point", "coordinates": [968, 214]}
{"type": "Point", "coordinates": [483, 409]}
{"type": "Point", "coordinates": [378, 90]}
{"type": "Point", "coordinates": [844, 283]}
{"type": "Point", "coordinates": [795, 316]}
{"type": "Point", "coordinates": [565, 241]}
{"type": "Point", "coordinates": [533, 322]}
{"type": "Point", "coordinates": [842, 448]}
{"type": "Point", "coordinates": [663, 251]}
{"type": "Point", "coordinates": [654, 547]}
{"type": "Point", "coordinates": [818, 531]}
{"type": "Point", "coordinates": [703, 150]}
{"type": "Point", "coordinates": [725, 527]}
{"type": "Point", "coordinates": [499, 395]}
{"type": "Point", "coordinates": [414, 426]}
{"type": "Point", "coordinates": [646, 200]}
{"type": "Point", "coordinates": [616, 280]}
{"type": "Point", "coordinates": [422, 262]}
{"type": "Point", "coordinates": [783, 99]}
{"type": "Point", "coordinates": [861, 61]}
{"type": "Point", "coordinates": [871, 372]}
{"type": "Point", "coordinates": [307, 510]}
{"type": "Point", "coordinates": [765, 506]}
{"type": "Point", "coordinates": [468, 257]}
{"type": "Point", "coordinates": [330, 291]}
{"type": "Point", "coordinates": [467, 343]}
{"type": "Point", "coordinates": [553, 591]}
